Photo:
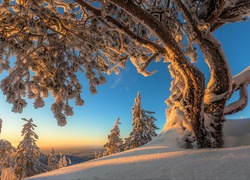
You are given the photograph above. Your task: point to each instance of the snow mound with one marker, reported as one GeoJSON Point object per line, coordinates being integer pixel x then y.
{"type": "Point", "coordinates": [162, 159]}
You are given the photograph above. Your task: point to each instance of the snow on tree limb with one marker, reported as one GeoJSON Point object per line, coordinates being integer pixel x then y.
{"type": "Point", "coordinates": [48, 45]}
{"type": "Point", "coordinates": [240, 104]}
{"type": "Point", "coordinates": [220, 12]}
{"type": "Point", "coordinates": [124, 29]}
{"type": "Point", "coordinates": [239, 82]}
{"type": "Point", "coordinates": [236, 11]}
{"type": "Point", "coordinates": [216, 10]}
{"type": "Point", "coordinates": [241, 78]}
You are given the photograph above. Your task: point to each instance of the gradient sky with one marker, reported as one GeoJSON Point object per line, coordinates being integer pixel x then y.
{"type": "Point", "coordinates": [92, 122]}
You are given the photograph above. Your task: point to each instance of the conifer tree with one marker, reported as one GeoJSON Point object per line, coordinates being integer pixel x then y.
{"type": "Point", "coordinates": [115, 142]}
{"type": "Point", "coordinates": [28, 153]}
{"type": "Point", "coordinates": [143, 126]}
{"type": "Point", "coordinates": [6, 160]}
{"type": "Point", "coordinates": [52, 160]}
{"type": "Point", "coordinates": [97, 154]}
{"type": "Point", "coordinates": [63, 161]}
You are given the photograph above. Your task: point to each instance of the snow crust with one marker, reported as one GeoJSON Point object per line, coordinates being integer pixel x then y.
{"type": "Point", "coordinates": [163, 159]}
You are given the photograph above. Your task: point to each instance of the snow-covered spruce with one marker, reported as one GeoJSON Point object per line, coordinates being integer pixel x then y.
{"type": "Point", "coordinates": [63, 161]}
{"type": "Point", "coordinates": [27, 153]}
{"type": "Point", "coordinates": [52, 160]}
{"type": "Point", "coordinates": [143, 126]}
{"type": "Point", "coordinates": [115, 142]}
{"type": "Point", "coordinates": [6, 160]}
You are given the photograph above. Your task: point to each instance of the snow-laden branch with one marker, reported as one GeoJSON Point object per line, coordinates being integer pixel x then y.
{"type": "Point", "coordinates": [220, 12]}
{"type": "Point", "coordinates": [241, 78]}
{"type": "Point", "coordinates": [240, 104]}
{"type": "Point", "coordinates": [239, 82]}
{"type": "Point", "coordinates": [177, 85]}
{"type": "Point", "coordinates": [235, 11]}
{"type": "Point", "coordinates": [149, 44]}
{"type": "Point", "coordinates": [124, 29]}
{"type": "Point", "coordinates": [214, 10]}
{"type": "Point", "coordinates": [54, 40]}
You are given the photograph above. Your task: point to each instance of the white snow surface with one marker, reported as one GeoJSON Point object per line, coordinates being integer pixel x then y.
{"type": "Point", "coordinates": [163, 159]}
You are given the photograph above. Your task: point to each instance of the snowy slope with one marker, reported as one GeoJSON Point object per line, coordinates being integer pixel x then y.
{"type": "Point", "coordinates": [162, 159]}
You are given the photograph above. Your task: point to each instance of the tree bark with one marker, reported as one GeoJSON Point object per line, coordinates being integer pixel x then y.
{"type": "Point", "coordinates": [219, 85]}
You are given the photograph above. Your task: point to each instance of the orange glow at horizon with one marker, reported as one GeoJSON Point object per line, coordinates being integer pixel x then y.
{"type": "Point", "coordinates": [46, 142]}
{"type": "Point", "coordinates": [69, 143]}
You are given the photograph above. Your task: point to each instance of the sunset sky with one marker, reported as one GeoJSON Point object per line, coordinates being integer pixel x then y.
{"type": "Point", "coordinates": [92, 122]}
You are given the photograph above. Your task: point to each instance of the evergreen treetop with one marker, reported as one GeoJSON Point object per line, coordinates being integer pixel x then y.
{"type": "Point", "coordinates": [115, 142]}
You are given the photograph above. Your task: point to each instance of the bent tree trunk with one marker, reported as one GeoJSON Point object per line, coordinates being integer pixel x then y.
{"type": "Point", "coordinates": [219, 85]}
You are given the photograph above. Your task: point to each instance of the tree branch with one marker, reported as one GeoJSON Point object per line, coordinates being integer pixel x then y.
{"type": "Point", "coordinates": [149, 44]}
{"type": "Point", "coordinates": [241, 78]}
{"type": "Point", "coordinates": [217, 9]}
{"type": "Point", "coordinates": [240, 81]}
{"type": "Point", "coordinates": [240, 104]}
{"type": "Point", "coordinates": [231, 14]}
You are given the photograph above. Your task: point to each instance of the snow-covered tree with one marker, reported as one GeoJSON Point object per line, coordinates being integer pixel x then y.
{"type": "Point", "coordinates": [63, 161]}
{"type": "Point", "coordinates": [6, 160]}
{"type": "Point", "coordinates": [143, 126]}
{"type": "Point", "coordinates": [115, 142]}
{"type": "Point", "coordinates": [98, 154]}
{"type": "Point", "coordinates": [27, 155]}
{"type": "Point", "coordinates": [54, 39]}
{"type": "Point", "coordinates": [52, 160]}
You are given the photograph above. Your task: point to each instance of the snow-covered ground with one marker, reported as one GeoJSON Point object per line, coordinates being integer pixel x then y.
{"type": "Point", "coordinates": [162, 159]}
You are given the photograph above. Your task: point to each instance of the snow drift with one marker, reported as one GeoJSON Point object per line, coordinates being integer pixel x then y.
{"type": "Point", "coordinates": [162, 159]}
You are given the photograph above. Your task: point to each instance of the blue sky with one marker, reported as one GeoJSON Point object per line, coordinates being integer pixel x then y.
{"type": "Point", "coordinates": [92, 122]}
